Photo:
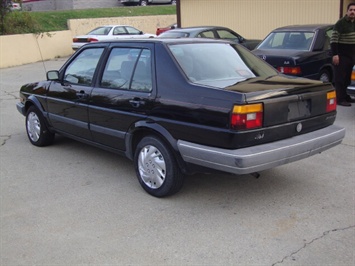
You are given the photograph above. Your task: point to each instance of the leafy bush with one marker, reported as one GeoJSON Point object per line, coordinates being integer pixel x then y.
{"type": "Point", "coordinates": [20, 23]}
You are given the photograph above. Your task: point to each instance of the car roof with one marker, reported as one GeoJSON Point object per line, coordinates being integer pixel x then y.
{"type": "Point", "coordinates": [305, 27]}
{"type": "Point", "coordinates": [114, 25]}
{"type": "Point", "coordinates": [163, 40]}
{"type": "Point", "coordinates": [197, 28]}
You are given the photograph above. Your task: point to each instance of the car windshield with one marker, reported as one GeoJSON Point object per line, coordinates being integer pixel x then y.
{"type": "Point", "coordinates": [100, 31]}
{"type": "Point", "coordinates": [292, 40]}
{"type": "Point", "coordinates": [219, 64]}
{"type": "Point", "coordinates": [170, 34]}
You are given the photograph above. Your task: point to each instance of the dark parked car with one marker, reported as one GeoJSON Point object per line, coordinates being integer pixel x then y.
{"type": "Point", "coordinates": [351, 87]}
{"type": "Point", "coordinates": [179, 106]}
{"type": "Point", "coordinates": [300, 50]}
{"type": "Point", "coordinates": [212, 32]}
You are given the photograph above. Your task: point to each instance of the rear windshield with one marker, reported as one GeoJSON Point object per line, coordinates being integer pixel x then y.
{"type": "Point", "coordinates": [292, 40]}
{"type": "Point", "coordinates": [219, 64]}
{"type": "Point", "coordinates": [169, 34]}
{"type": "Point", "coordinates": [100, 31]}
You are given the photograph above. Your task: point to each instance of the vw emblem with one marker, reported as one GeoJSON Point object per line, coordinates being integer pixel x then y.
{"type": "Point", "coordinates": [299, 127]}
{"type": "Point", "coordinates": [264, 57]}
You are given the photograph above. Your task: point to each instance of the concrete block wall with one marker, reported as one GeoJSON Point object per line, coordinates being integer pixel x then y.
{"type": "Point", "coordinates": [40, 5]}
{"type": "Point", "coordinates": [23, 49]}
{"type": "Point", "coordinates": [85, 4]}
{"type": "Point", "coordinates": [49, 5]}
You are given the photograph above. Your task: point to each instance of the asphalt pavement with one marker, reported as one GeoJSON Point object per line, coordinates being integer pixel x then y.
{"type": "Point", "coordinates": [73, 204]}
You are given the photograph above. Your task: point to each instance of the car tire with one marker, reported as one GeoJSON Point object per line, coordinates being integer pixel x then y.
{"type": "Point", "coordinates": [156, 168]}
{"type": "Point", "coordinates": [144, 3]}
{"type": "Point", "coordinates": [37, 131]}
{"type": "Point", "coordinates": [173, 2]}
{"type": "Point", "coordinates": [324, 75]}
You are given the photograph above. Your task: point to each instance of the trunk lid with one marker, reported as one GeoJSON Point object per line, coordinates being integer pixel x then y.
{"type": "Point", "coordinates": [286, 100]}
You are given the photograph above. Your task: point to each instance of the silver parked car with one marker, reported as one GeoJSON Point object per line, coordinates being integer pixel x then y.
{"type": "Point", "coordinates": [147, 2]}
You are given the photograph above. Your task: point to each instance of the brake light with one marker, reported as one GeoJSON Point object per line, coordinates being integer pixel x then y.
{"type": "Point", "coordinates": [290, 70]}
{"type": "Point", "coordinates": [331, 101]}
{"type": "Point", "coordinates": [92, 40]}
{"type": "Point", "coordinates": [353, 75]}
{"type": "Point", "coordinates": [247, 116]}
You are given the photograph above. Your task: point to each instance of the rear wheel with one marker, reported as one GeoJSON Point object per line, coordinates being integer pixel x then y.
{"type": "Point", "coordinates": [156, 168]}
{"type": "Point", "coordinates": [173, 2]}
{"type": "Point", "coordinates": [325, 76]}
{"type": "Point", "coordinates": [36, 129]}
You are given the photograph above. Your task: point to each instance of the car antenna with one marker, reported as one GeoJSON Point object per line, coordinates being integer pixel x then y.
{"type": "Point", "coordinates": [39, 49]}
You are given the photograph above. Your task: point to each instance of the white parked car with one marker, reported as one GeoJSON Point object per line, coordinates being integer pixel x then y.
{"type": "Point", "coordinates": [109, 32]}
{"type": "Point", "coordinates": [147, 2]}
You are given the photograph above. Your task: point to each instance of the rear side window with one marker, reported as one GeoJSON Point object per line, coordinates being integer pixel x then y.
{"type": "Point", "coordinates": [128, 69]}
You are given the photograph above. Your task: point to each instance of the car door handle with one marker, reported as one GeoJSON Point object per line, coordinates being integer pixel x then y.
{"type": "Point", "coordinates": [136, 102]}
{"type": "Point", "coordinates": [82, 95]}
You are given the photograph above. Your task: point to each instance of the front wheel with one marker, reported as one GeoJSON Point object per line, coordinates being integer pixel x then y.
{"type": "Point", "coordinates": [36, 129]}
{"type": "Point", "coordinates": [144, 3]}
{"type": "Point", "coordinates": [156, 168]}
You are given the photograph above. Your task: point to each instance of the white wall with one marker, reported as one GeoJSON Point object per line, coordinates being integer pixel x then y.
{"type": "Point", "coordinates": [29, 48]}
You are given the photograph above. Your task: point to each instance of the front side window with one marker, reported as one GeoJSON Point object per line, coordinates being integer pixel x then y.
{"type": "Point", "coordinates": [128, 69]}
{"type": "Point", "coordinates": [81, 70]}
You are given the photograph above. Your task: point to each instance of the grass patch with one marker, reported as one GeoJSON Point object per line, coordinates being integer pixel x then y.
{"type": "Point", "coordinates": [35, 22]}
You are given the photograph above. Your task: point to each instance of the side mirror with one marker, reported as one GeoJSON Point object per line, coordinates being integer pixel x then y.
{"type": "Point", "coordinates": [53, 75]}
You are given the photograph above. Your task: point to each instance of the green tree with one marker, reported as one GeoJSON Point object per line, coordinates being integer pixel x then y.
{"type": "Point", "coordinates": [4, 10]}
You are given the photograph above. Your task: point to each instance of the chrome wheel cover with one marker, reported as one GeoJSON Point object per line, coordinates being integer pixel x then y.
{"type": "Point", "coordinates": [33, 127]}
{"type": "Point", "coordinates": [324, 77]}
{"type": "Point", "coordinates": [151, 167]}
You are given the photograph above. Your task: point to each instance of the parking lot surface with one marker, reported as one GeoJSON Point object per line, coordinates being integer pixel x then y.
{"type": "Point", "coordinates": [71, 204]}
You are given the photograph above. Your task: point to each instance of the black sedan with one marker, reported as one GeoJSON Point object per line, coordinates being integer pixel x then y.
{"type": "Point", "coordinates": [300, 50]}
{"type": "Point", "coordinates": [212, 32]}
{"type": "Point", "coordinates": [179, 106]}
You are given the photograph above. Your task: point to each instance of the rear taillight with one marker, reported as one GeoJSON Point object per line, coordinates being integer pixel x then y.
{"type": "Point", "coordinates": [331, 101]}
{"type": "Point", "coordinates": [92, 40]}
{"type": "Point", "coordinates": [353, 76]}
{"type": "Point", "coordinates": [290, 70]}
{"type": "Point", "coordinates": [247, 116]}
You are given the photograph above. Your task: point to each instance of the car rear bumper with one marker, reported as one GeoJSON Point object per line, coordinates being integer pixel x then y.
{"type": "Point", "coordinates": [76, 46]}
{"type": "Point", "coordinates": [262, 157]}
